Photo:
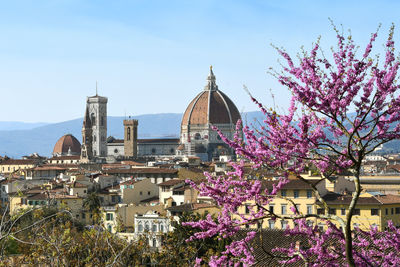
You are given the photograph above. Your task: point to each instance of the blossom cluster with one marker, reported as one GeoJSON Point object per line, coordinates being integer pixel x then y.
{"type": "Point", "coordinates": [341, 110]}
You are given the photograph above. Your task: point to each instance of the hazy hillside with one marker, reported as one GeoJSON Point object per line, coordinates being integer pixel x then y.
{"type": "Point", "coordinates": [24, 138]}
{"type": "Point", "coordinates": [16, 143]}
{"type": "Point", "coordinates": [16, 125]}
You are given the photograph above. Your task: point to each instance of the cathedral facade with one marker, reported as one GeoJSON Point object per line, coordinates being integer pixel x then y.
{"type": "Point", "coordinates": [211, 107]}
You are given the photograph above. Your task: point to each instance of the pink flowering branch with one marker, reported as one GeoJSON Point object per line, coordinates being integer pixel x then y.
{"type": "Point", "coordinates": [341, 110]}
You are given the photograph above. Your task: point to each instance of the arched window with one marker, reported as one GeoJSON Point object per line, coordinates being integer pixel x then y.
{"type": "Point", "coordinates": [147, 226]}
{"type": "Point", "coordinates": [154, 228]}
{"type": "Point", "coordinates": [197, 136]}
{"type": "Point", "coordinates": [102, 121]}
{"type": "Point", "coordinates": [140, 227]}
{"type": "Point", "coordinates": [109, 227]}
{"type": "Point", "coordinates": [153, 151]}
{"type": "Point", "coordinates": [154, 243]}
{"type": "Point", "coordinates": [161, 228]}
{"type": "Point", "coordinates": [93, 118]}
{"type": "Point", "coordinates": [128, 133]}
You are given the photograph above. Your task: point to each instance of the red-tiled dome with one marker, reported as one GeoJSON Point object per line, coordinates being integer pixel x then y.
{"type": "Point", "coordinates": [211, 106]}
{"type": "Point", "coordinates": [67, 144]}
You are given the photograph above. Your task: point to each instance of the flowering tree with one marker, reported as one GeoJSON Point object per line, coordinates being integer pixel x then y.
{"type": "Point", "coordinates": [342, 108]}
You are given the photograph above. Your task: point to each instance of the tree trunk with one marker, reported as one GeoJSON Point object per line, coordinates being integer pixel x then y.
{"type": "Point", "coordinates": [349, 216]}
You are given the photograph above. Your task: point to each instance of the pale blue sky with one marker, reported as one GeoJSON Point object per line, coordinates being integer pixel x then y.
{"type": "Point", "coordinates": [153, 56]}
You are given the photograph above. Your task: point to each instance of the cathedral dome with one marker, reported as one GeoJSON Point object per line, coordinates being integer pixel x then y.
{"type": "Point", "coordinates": [211, 106]}
{"type": "Point", "coordinates": [67, 145]}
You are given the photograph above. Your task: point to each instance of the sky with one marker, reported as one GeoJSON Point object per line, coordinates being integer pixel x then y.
{"type": "Point", "coordinates": [154, 56]}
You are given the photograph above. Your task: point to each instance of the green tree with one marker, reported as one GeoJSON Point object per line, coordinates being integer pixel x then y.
{"type": "Point", "coordinates": [92, 203]}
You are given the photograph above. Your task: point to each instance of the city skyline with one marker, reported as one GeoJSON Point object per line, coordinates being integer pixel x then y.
{"type": "Point", "coordinates": [153, 57]}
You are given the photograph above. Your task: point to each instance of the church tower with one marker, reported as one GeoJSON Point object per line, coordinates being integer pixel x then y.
{"type": "Point", "coordinates": [86, 149]}
{"type": "Point", "coordinates": [94, 130]}
{"type": "Point", "coordinates": [130, 138]}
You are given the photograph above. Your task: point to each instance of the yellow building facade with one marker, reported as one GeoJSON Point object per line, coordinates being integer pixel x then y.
{"type": "Point", "coordinates": [371, 210]}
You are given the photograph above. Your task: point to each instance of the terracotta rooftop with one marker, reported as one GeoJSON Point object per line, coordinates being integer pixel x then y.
{"type": "Point", "coordinates": [335, 199]}
{"type": "Point", "coordinates": [141, 171]}
{"type": "Point", "coordinates": [66, 143]}
{"type": "Point", "coordinates": [172, 182]}
{"type": "Point", "coordinates": [292, 184]}
{"type": "Point", "coordinates": [18, 162]}
{"type": "Point", "coordinates": [211, 106]}
{"type": "Point", "coordinates": [48, 168]}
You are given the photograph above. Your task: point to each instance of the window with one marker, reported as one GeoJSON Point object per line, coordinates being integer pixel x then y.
{"type": "Point", "coordinates": [392, 210]}
{"type": "Point", "coordinates": [271, 208]}
{"type": "Point", "coordinates": [141, 193]}
{"type": "Point", "coordinates": [374, 212]}
{"type": "Point", "coordinates": [197, 136]}
{"type": "Point", "coordinates": [109, 227]}
{"type": "Point", "coordinates": [172, 151]}
{"type": "Point", "coordinates": [332, 211]}
{"type": "Point", "coordinates": [283, 193]}
{"type": "Point", "coordinates": [128, 133]}
{"type": "Point", "coordinates": [271, 224]}
{"type": "Point", "coordinates": [154, 228]}
{"type": "Point", "coordinates": [147, 227]}
{"type": "Point", "coordinates": [309, 193]}
{"type": "Point", "coordinates": [297, 207]}
{"type": "Point", "coordinates": [296, 193]}
{"type": "Point", "coordinates": [386, 211]}
{"type": "Point", "coordinates": [140, 228]}
{"type": "Point", "coordinates": [283, 209]}
{"type": "Point", "coordinates": [284, 224]}
{"type": "Point", "coordinates": [93, 118]}
{"type": "Point", "coordinates": [83, 216]}
{"type": "Point", "coordinates": [356, 212]}
{"type": "Point", "coordinates": [320, 211]}
{"type": "Point", "coordinates": [246, 209]}
{"type": "Point", "coordinates": [161, 228]}
{"type": "Point", "coordinates": [148, 193]}
{"type": "Point", "coordinates": [153, 151]}
{"type": "Point", "coordinates": [342, 211]}
{"type": "Point", "coordinates": [115, 151]}
{"type": "Point", "coordinates": [102, 121]}
{"type": "Point", "coordinates": [109, 216]}
{"type": "Point", "coordinates": [154, 242]}
{"type": "Point", "coordinates": [397, 210]}
{"type": "Point", "coordinates": [309, 209]}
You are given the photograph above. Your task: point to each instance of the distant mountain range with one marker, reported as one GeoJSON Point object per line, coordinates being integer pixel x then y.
{"type": "Point", "coordinates": [18, 139]}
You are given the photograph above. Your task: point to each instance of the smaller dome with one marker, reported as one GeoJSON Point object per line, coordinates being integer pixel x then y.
{"type": "Point", "coordinates": [67, 145]}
